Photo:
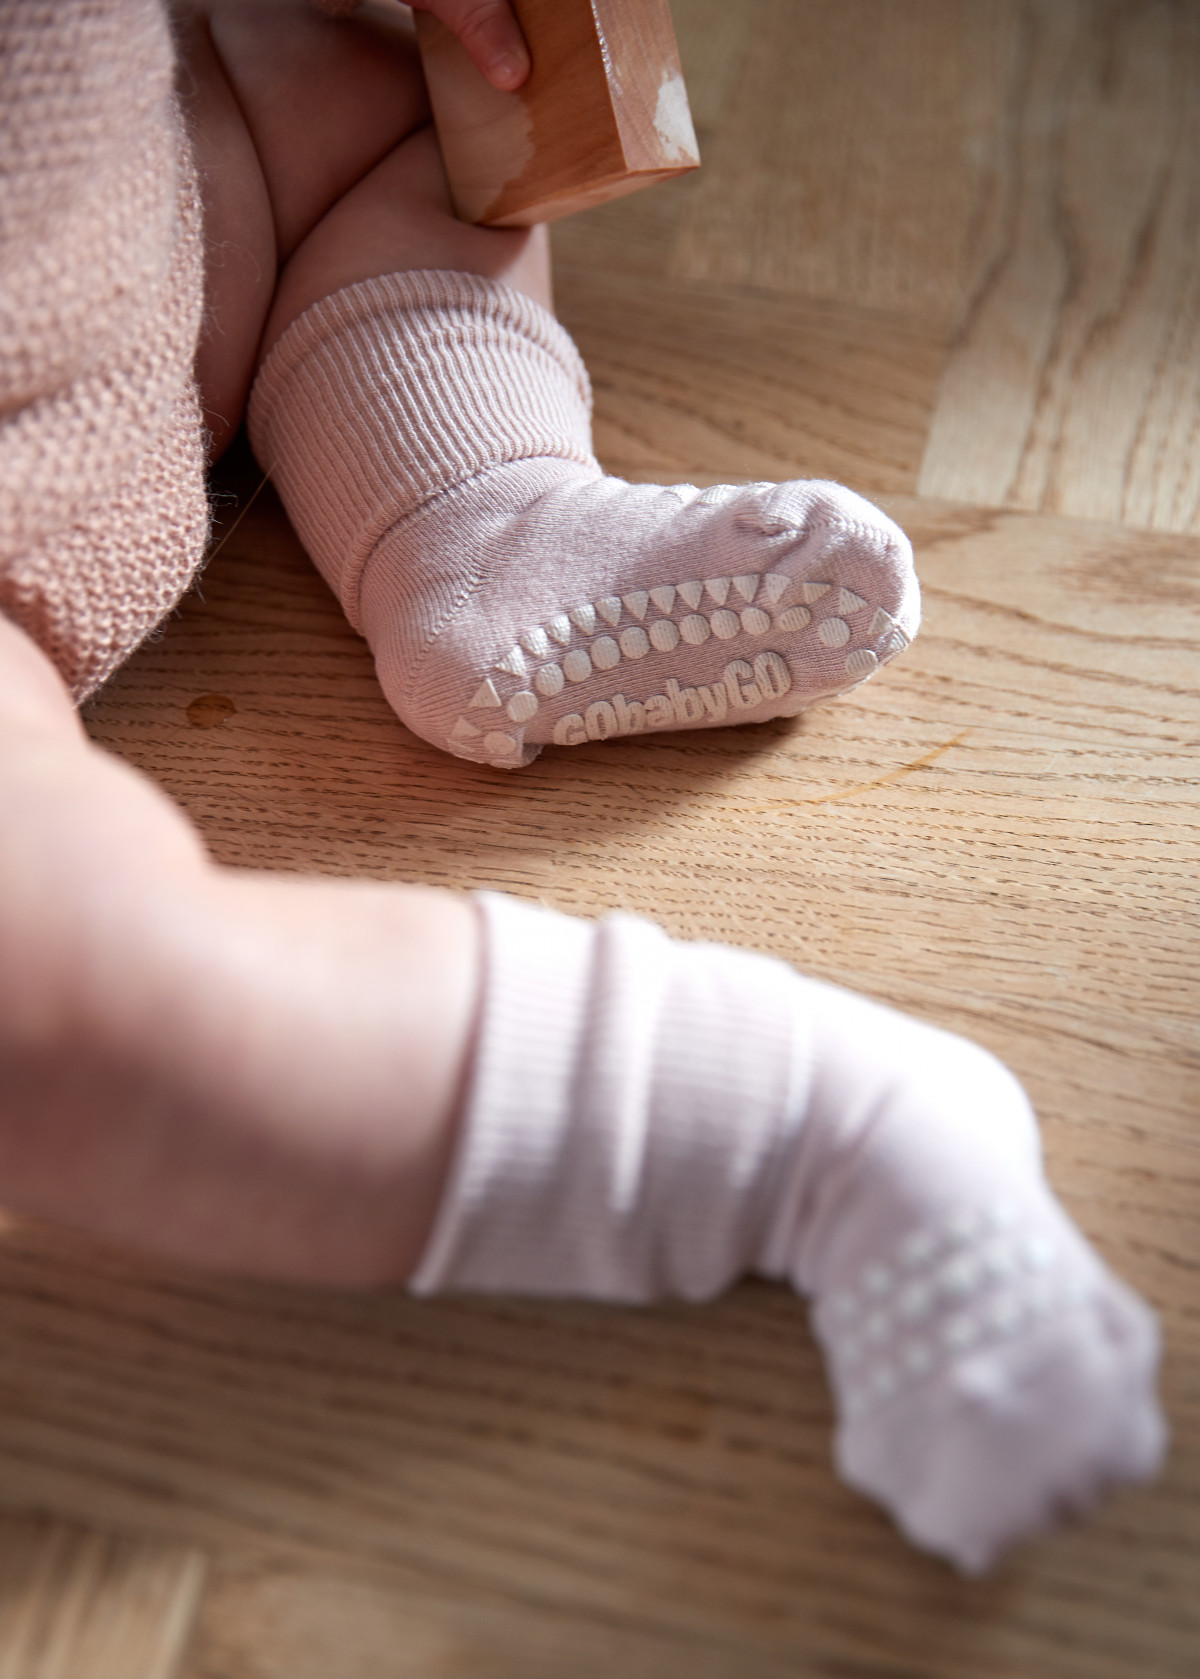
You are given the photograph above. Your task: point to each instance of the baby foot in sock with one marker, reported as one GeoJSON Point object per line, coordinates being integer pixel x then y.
{"type": "Point", "coordinates": [542, 602]}
{"type": "Point", "coordinates": [990, 1373]}
{"type": "Point", "coordinates": [991, 1377]}
{"type": "Point", "coordinates": [429, 433]}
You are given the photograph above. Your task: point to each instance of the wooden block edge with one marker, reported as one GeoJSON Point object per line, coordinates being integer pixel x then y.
{"type": "Point", "coordinates": [603, 191]}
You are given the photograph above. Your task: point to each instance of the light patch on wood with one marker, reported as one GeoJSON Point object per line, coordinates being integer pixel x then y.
{"type": "Point", "coordinates": [841, 169]}
{"type": "Point", "coordinates": [78, 1604]}
{"type": "Point", "coordinates": [1073, 385]}
{"type": "Point", "coordinates": [673, 120]}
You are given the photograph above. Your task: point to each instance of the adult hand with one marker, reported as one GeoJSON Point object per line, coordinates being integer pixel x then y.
{"type": "Point", "coordinates": [491, 34]}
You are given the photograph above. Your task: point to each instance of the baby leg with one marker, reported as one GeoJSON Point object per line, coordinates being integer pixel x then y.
{"type": "Point", "coordinates": [288, 1077]}
{"type": "Point", "coordinates": [427, 423]}
{"type": "Point", "coordinates": [288, 109]}
{"type": "Point", "coordinates": [645, 1118]}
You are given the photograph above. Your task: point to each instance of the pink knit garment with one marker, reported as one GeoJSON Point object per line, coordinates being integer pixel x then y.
{"type": "Point", "coordinates": [646, 1118]}
{"type": "Point", "coordinates": [103, 515]}
{"type": "Point", "coordinates": [429, 434]}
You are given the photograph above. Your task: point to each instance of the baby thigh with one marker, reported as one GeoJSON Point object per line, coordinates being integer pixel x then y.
{"type": "Point", "coordinates": [288, 109]}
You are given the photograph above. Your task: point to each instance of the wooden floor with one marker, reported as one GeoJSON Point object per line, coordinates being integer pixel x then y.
{"type": "Point", "coordinates": [947, 252]}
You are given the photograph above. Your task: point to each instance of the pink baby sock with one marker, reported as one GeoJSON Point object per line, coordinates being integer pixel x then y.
{"type": "Point", "coordinates": [647, 1118]}
{"type": "Point", "coordinates": [429, 434]}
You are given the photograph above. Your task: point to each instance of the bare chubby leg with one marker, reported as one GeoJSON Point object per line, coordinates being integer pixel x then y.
{"type": "Point", "coordinates": [318, 168]}
{"type": "Point", "coordinates": [249, 1072]}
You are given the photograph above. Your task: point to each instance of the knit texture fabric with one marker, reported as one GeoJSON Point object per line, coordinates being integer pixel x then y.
{"type": "Point", "coordinates": [647, 1118]}
{"type": "Point", "coordinates": [103, 514]}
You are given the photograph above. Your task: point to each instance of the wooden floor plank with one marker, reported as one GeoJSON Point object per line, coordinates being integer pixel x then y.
{"type": "Point", "coordinates": [843, 165]}
{"type": "Point", "coordinates": [947, 245]}
{"type": "Point", "coordinates": [81, 1604]}
{"type": "Point", "coordinates": [280, 1622]}
{"type": "Point", "coordinates": [663, 1474]}
{"type": "Point", "coordinates": [1083, 323]}
{"type": "Point", "coordinates": [997, 832]}
{"type": "Point", "coordinates": [805, 390]}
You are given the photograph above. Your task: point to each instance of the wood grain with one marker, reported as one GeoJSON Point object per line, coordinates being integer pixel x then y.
{"type": "Point", "coordinates": [695, 380]}
{"type": "Point", "coordinates": [1022, 178]}
{"type": "Point", "coordinates": [77, 1604]}
{"type": "Point", "coordinates": [998, 833]}
{"type": "Point", "coordinates": [552, 1475]}
{"type": "Point", "coordinates": [281, 1622]}
{"type": "Point", "coordinates": [1083, 317]}
{"type": "Point", "coordinates": [841, 166]}
{"type": "Point", "coordinates": [603, 113]}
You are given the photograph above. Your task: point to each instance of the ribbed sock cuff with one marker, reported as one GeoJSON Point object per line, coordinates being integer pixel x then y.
{"type": "Point", "coordinates": [633, 1104]}
{"type": "Point", "coordinates": [397, 389]}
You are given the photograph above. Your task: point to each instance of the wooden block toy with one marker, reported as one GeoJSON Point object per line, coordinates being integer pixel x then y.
{"type": "Point", "coordinates": [603, 113]}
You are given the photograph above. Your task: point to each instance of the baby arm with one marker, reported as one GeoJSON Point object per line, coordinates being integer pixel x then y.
{"type": "Point", "coordinates": [246, 1072]}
